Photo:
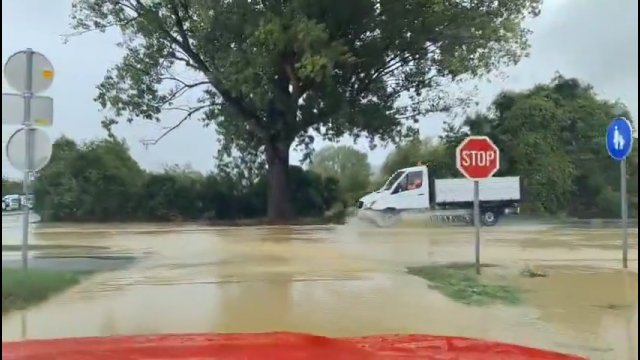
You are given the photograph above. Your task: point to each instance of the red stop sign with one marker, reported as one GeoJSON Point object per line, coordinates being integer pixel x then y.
{"type": "Point", "coordinates": [477, 157]}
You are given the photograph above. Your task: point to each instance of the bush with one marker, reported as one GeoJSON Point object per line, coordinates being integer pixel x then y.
{"type": "Point", "coordinates": [99, 181]}
{"type": "Point", "coordinates": [11, 186]}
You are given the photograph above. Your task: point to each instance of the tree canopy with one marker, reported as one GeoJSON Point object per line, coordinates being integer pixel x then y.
{"type": "Point", "coordinates": [427, 151]}
{"type": "Point", "coordinates": [11, 186]}
{"type": "Point", "coordinates": [271, 72]}
{"type": "Point", "coordinates": [350, 166]}
{"type": "Point", "coordinates": [551, 135]}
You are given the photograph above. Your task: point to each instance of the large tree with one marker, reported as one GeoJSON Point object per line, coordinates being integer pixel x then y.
{"type": "Point", "coordinates": [272, 71]}
{"type": "Point", "coordinates": [553, 136]}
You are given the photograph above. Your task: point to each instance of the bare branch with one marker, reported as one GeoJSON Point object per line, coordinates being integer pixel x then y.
{"type": "Point", "coordinates": [177, 93]}
{"type": "Point", "coordinates": [171, 128]}
{"type": "Point", "coordinates": [182, 41]}
{"type": "Point", "coordinates": [179, 55]}
{"type": "Point", "coordinates": [184, 83]}
{"type": "Point", "coordinates": [174, 93]}
{"type": "Point", "coordinates": [135, 15]}
{"type": "Point", "coordinates": [177, 108]}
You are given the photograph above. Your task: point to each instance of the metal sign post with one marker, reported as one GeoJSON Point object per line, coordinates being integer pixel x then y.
{"type": "Point", "coordinates": [27, 94]}
{"type": "Point", "coordinates": [624, 212]}
{"type": "Point", "coordinates": [477, 158]}
{"type": "Point", "coordinates": [476, 222]}
{"type": "Point", "coordinates": [27, 72]}
{"type": "Point", "coordinates": [619, 143]}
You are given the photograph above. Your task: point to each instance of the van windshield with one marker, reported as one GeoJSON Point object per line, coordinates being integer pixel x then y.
{"type": "Point", "coordinates": [392, 180]}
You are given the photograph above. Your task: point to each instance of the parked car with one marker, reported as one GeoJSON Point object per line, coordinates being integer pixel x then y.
{"type": "Point", "coordinates": [11, 202]}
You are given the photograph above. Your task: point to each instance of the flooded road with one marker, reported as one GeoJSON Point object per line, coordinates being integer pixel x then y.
{"type": "Point", "coordinates": [341, 281]}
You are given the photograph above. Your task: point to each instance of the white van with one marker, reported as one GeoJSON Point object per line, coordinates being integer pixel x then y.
{"type": "Point", "coordinates": [412, 189]}
{"type": "Point", "coordinates": [11, 202]}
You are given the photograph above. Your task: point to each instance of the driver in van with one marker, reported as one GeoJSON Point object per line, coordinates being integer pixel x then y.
{"type": "Point", "coordinates": [417, 184]}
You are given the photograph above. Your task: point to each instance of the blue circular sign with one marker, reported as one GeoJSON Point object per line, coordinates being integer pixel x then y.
{"type": "Point", "coordinates": [619, 138]}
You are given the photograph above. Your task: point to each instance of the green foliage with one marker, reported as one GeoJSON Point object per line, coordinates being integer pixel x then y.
{"type": "Point", "coordinates": [272, 71]}
{"type": "Point", "coordinates": [170, 196]}
{"type": "Point", "coordinates": [312, 193]}
{"type": "Point", "coordinates": [21, 289]}
{"type": "Point", "coordinates": [552, 136]}
{"type": "Point", "coordinates": [348, 165]}
{"type": "Point", "coordinates": [460, 283]}
{"type": "Point", "coordinates": [11, 186]}
{"type": "Point", "coordinates": [437, 156]}
{"type": "Point", "coordinates": [99, 181]}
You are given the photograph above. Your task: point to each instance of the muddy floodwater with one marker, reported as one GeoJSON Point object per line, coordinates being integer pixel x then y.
{"type": "Point", "coordinates": [339, 281]}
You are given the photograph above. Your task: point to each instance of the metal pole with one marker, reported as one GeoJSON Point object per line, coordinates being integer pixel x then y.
{"type": "Point", "coordinates": [23, 322]}
{"type": "Point", "coordinates": [28, 94]}
{"type": "Point", "coordinates": [624, 212]}
{"type": "Point", "coordinates": [476, 222]}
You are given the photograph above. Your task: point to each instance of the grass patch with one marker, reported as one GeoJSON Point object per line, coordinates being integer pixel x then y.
{"type": "Point", "coordinates": [88, 257]}
{"type": "Point", "coordinates": [460, 283]}
{"type": "Point", "coordinates": [22, 289]}
{"type": "Point", "coordinates": [52, 247]}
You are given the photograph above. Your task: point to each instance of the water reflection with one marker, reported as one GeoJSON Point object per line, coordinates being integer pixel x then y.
{"type": "Point", "coordinates": [340, 281]}
{"type": "Point", "coordinates": [269, 290]}
{"type": "Point", "coordinates": [597, 307]}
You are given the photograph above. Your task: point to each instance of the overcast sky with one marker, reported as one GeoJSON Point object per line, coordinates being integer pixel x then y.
{"type": "Point", "coordinates": [594, 40]}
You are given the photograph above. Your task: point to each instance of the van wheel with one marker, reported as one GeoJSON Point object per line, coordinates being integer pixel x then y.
{"type": "Point", "coordinates": [489, 218]}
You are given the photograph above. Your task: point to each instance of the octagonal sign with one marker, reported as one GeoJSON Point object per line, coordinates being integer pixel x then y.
{"type": "Point", "coordinates": [477, 157]}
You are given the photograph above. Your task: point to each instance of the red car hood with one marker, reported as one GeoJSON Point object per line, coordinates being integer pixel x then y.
{"type": "Point", "coordinates": [264, 346]}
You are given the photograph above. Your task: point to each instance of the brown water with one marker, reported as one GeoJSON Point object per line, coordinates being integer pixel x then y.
{"type": "Point", "coordinates": [341, 281]}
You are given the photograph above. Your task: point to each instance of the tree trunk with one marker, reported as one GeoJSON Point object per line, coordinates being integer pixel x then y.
{"type": "Point", "coordinates": [279, 209]}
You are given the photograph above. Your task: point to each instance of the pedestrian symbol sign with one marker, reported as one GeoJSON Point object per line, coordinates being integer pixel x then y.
{"type": "Point", "coordinates": [619, 138]}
